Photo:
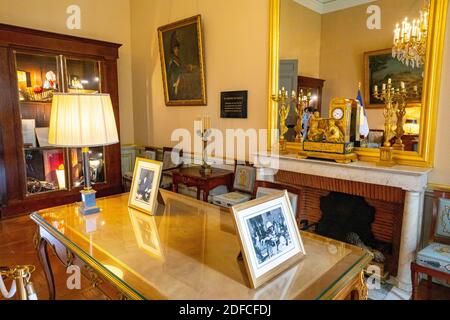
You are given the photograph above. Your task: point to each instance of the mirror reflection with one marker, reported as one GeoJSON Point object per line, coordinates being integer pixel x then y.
{"type": "Point", "coordinates": [354, 50]}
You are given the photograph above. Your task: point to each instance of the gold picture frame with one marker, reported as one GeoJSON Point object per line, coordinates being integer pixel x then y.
{"type": "Point", "coordinates": [146, 233]}
{"type": "Point", "coordinates": [398, 68]}
{"type": "Point", "coordinates": [145, 185]}
{"type": "Point", "coordinates": [183, 71]}
{"type": "Point", "coordinates": [269, 237]}
{"type": "Point", "coordinates": [424, 157]}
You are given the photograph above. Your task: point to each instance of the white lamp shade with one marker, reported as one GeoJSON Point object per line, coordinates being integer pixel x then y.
{"type": "Point", "coordinates": [82, 120]}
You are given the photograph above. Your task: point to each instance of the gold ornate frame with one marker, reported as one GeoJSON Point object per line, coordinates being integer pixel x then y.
{"type": "Point", "coordinates": [367, 90]}
{"type": "Point", "coordinates": [430, 100]}
{"type": "Point", "coordinates": [197, 20]}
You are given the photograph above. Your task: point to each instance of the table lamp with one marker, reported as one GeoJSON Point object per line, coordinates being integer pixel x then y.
{"type": "Point", "coordinates": [83, 121]}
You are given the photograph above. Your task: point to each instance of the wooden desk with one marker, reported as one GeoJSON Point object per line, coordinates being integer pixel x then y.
{"type": "Point", "coordinates": [187, 251]}
{"type": "Point", "coordinates": [192, 177]}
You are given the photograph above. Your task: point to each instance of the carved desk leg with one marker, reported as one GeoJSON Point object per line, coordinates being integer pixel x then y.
{"type": "Point", "coordinates": [45, 262]}
{"type": "Point", "coordinates": [361, 291]}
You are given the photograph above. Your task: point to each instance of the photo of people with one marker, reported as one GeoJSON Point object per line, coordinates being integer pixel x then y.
{"type": "Point", "coordinates": [144, 188]}
{"type": "Point", "coordinates": [145, 185]}
{"type": "Point", "coordinates": [270, 235]}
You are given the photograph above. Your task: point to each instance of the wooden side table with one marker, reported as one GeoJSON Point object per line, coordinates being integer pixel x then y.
{"type": "Point", "coordinates": [192, 177]}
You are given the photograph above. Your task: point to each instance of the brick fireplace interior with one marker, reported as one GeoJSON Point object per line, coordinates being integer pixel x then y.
{"type": "Point", "coordinates": [387, 201]}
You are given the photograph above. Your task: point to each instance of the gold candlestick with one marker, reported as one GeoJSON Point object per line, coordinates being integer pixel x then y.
{"type": "Point", "coordinates": [389, 97]}
{"type": "Point", "coordinates": [285, 107]}
{"type": "Point", "coordinates": [402, 101]}
{"type": "Point", "coordinates": [204, 134]}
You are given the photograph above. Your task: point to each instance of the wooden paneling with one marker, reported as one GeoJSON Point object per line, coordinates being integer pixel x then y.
{"type": "Point", "coordinates": [36, 110]}
{"type": "Point", "coordinates": [56, 43]}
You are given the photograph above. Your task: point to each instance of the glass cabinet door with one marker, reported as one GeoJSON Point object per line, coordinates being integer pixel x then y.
{"type": "Point", "coordinates": [38, 77]}
{"type": "Point", "coordinates": [83, 76]}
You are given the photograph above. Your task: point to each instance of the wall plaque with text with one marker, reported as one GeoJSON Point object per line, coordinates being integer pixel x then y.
{"type": "Point", "coordinates": [233, 104]}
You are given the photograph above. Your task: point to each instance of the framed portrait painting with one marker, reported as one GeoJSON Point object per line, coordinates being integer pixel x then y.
{"type": "Point", "coordinates": [269, 237]}
{"type": "Point", "coordinates": [145, 185]}
{"type": "Point", "coordinates": [183, 62]}
{"type": "Point", "coordinates": [380, 66]}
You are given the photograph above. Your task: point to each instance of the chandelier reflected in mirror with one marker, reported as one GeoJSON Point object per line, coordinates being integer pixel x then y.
{"type": "Point", "coordinates": [410, 40]}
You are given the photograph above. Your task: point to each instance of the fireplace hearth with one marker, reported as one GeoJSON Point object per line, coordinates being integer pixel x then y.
{"type": "Point", "coordinates": [344, 214]}
{"type": "Point", "coordinates": [349, 219]}
{"type": "Point", "coordinates": [396, 193]}
{"type": "Point", "coordinates": [384, 236]}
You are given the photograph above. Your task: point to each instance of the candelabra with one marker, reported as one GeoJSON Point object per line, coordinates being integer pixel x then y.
{"type": "Point", "coordinates": [389, 95]}
{"type": "Point", "coordinates": [402, 97]}
{"type": "Point", "coordinates": [410, 40]}
{"type": "Point", "coordinates": [204, 134]}
{"type": "Point", "coordinates": [302, 102]}
{"type": "Point", "coordinates": [284, 102]}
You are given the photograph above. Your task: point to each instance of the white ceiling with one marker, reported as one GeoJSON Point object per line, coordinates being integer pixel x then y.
{"type": "Point", "coordinates": [327, 6]}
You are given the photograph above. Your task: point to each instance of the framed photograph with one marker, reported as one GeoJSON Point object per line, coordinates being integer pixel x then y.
{"type": "Point", "coordinates": [146, 232]}
{"type": "Point", "coordinates": [269, 237]}
{"type": "Point", "coordinates": [379, 67]}
{"type": "Point", "coordinates": [145, 185]}
{"type": "Point", "coordinates": [183, 62]}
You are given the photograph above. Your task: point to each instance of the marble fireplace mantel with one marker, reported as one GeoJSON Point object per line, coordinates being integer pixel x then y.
{"type": "Point", "coordinates": [410, 179]}
{"type": "Point", "coordinates": [403, 177]}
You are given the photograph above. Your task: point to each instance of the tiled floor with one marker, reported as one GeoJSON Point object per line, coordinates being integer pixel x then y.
{"type": "Point", "coordinates": [16, 248]}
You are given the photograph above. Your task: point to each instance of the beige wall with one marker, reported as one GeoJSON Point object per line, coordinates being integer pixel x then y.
{"type": "Point", "coordinates": [300, 33]}
{"type": "Point", "coordinates": [345, 38]}
{"type": "Point", "coordinates": [236, 50]}
{"type": "Point", "coordinates": [107, 20]}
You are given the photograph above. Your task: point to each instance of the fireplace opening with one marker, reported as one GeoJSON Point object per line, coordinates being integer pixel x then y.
{"type": "Point", "coordinates": [350, 219]}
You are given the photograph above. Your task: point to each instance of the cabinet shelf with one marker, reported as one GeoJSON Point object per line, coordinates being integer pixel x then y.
{"type": "Point", "coordinates": [50, 63]}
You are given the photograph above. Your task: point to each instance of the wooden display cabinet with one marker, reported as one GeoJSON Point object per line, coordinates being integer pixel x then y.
{"type": "Point", "coordinates": [315, 86]}
{"type": "Point", "coordinates": [33, 66]}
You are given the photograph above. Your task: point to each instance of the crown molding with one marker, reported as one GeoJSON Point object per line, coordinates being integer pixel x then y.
{"type": "Point", "coordinates": [332, 5]}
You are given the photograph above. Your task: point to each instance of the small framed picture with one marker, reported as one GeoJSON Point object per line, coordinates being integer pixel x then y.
{"type": "Point", "coordinates": [146, 232]}
{"type": "Point", "coordinates": [269, 237]}
{"type": "Point", "coordinates": [145, 185]}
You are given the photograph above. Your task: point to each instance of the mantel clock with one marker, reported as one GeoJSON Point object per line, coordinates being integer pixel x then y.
{"type": "Point", "coordinates": [334, 138]}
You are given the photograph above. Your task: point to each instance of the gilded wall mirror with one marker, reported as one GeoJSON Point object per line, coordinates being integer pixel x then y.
{"type": "Point", "coordinates": [350, 49]}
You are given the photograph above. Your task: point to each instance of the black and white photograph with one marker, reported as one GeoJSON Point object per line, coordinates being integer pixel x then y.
{"type": "Point", "coordinates": [146, 232]}
{"type": "Point", "coordinates": [145, 185]}
{"type": "Point", "coordinates": [270, 235]}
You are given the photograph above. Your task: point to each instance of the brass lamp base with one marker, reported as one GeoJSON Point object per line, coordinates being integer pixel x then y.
{"type": "Point", "coordinates": [386, 157]}
{"type": "Point", "coordinates": [206, 170]}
